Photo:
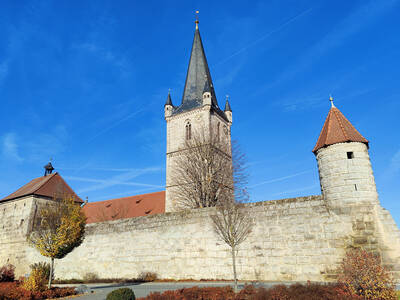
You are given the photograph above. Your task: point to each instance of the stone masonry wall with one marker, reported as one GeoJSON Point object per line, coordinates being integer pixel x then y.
{"type": "Point", "coordinates": [293, 239]}
{"type": "Point", "coordinates": [200, 119]}
{"type": "Point", "coordinates": [15, 222]}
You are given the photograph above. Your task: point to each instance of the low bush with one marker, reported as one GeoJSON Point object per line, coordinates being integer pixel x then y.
{"type": "Point", "coordinates": [310, 291]}
{"type": "Point", "coordinates": [147, 277]}
{"type": "Point", "coordinates": [37, 280]}
{"type": "Point", "coordinates": [362, 272]}
{"type": "Point", "coordinates": [7, 273]}
{"type": "Point", "coordinates": [43, 267]}
{"type": "Point", "coordinates": [121, 294]}
{"type": "Point", "coordinates": [13, 291]}
{"type": "Point", "coordinates": [90, 278]}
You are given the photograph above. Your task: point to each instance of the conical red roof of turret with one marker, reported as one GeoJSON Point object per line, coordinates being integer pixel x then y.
{"type": "Point", "coordinates": [337, 129]}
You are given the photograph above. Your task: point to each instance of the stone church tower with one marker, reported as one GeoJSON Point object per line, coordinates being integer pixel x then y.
{"type": "Point", "coordinates": [198, 110]}
{"type": "Point", "coordinates": [344, 166]}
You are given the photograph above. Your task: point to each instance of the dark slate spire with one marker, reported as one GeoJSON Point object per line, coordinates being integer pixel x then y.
{"type": "Point", "coordinates": [169, 101]}
{"type": "Point", "coordinates": [197, 79]}
{"type": "Point", "coordinates": [227, 106]}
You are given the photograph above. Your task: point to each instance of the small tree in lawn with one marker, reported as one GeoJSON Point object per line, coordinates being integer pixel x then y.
{"type": "Point", "coordinates": [60, 230]}
{"type": "Point", "coordinates": [232, 221]}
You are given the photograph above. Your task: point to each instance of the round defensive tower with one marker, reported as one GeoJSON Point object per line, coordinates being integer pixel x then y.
{"type": "Point", "coordinates": [344, 165]}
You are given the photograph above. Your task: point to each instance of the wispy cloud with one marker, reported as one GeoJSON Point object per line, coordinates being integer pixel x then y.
{"type": "Point", "coordinates": [299, 102]}
{"type": "Point", "coordinates": [353, 23]}
{"type": "Point", "coordinates": [3, 70]}
{"type": "Point", "coordinates": [10, 147]}
{"type": "Point", "coordinates": [121, 179]}
{"type": "Point", "coordinates": [395, 162]}
{"type": "Point", "coordinates": [280, 178]}
{"type": "Point", "coordinates": [266, 35]}
{"type": "Point", "coordinates": [117, 60]}
{"type": "Point", "coordinates": [296, 190]}
{"type": "Point", "coordinates": [115, 124]}
{"type": "Point", "coordinates": [394, 165]}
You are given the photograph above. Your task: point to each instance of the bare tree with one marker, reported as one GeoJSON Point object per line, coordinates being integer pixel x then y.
{"type": "Point", "coordinates": [232, 223]}
{"type": "Point", "coordinates": [203, 174]}
{"type": "Point", "coordinates": [211, 171]}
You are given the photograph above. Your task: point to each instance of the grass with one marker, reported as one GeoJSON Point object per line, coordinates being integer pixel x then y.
{"type": "Point", "coordinates": [398, 295]}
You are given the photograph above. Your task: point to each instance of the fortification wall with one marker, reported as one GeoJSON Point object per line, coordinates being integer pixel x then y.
{"type": "Point", "coordinates": [14, 224]}
{"type": "Point", "coordinates": [293, 239]}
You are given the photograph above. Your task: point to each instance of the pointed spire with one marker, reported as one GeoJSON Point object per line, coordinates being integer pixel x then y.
{"type": "Point", "coordinates": [227, 106]}
{"type": "Point", "coordinates": [337, 129]}
{"type": "Point", "coordinates": [169, 101]}
{"type": "Point", "coordinates": [198, 78]}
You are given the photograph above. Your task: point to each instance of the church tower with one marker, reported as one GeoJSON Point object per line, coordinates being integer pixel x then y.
{"type": "Point", "coordinates": [198, 110]}
{"type": "Point", "coordinates": [344, 166]}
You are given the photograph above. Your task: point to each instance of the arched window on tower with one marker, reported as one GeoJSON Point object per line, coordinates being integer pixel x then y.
{"type": "Point", "coordinates": [188, 130]}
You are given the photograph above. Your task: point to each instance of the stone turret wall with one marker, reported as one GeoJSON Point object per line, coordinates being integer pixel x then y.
{"type": "Point", "coordinates": [346, 181]}
{"type": "Point", "coordinates": [292, 239]}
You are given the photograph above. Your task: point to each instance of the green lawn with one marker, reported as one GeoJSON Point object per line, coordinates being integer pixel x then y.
{"type": "Point", "coordinates": [398, 295]}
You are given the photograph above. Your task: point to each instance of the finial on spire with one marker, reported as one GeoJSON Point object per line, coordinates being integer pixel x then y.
{"type": "Point", "coordinates": [197, 19]}
{"type": "Point", "coordinates": [331, 99]}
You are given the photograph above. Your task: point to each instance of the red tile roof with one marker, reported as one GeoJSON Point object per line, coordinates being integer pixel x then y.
{"type": "Point", "coordinates": [337, 129]}
{"type": "Point", "coordinates": [47, 186]}
{"type": "Point", "coordinates": [127, 207]}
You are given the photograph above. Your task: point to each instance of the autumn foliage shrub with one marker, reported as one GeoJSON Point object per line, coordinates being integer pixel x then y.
{"type": "Point", "coordinates": [37, 280]}
{"type": "Point", "coordinates": [147, 276]}
{"type": "Point", "coordinates": [13, 291]}
{"type": "Point", "coordinates": [362, 272]}
{"type": "Point", "coordinates": [44, 267]}
{"type": "Point", "coordinates": [7, 273]}
{"type": "Point", "coordinates": [310, 291]}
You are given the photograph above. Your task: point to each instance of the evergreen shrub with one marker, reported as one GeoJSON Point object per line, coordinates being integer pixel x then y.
{"type": "Point", "coordinates": [121, 294]}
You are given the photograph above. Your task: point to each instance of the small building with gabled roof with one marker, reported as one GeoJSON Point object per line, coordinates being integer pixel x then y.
{"type": "Point", "coordinates": [48, 187]}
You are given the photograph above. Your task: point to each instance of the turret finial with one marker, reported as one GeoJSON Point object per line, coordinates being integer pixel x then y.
{"type": "Point", "coordinates": [197, 19]}
{"type": "Point", "coordinates": [331, 99]}
{"type": "Point", "coordinates": [48, 169]}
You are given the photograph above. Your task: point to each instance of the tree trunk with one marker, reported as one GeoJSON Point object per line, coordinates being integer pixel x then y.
{"type": "Point", "coordinates": [51, 272]}
{"type": "Point", "coordinates": [234, 269]}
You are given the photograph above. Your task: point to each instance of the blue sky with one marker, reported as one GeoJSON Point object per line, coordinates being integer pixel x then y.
{"type": "Point", "coordinates": [84, 82]}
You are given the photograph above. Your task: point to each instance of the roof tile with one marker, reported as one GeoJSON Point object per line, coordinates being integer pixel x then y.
{"type": "Point", "coordinates": [127, 207]}
{"type": "Point", "coordinates": [337, 129]}
{"type": "Point", "coordinates": [47, 186]}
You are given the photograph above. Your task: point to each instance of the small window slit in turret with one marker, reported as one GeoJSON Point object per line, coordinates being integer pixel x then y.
{"type": "Point", "coordinates": [355, 187]}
